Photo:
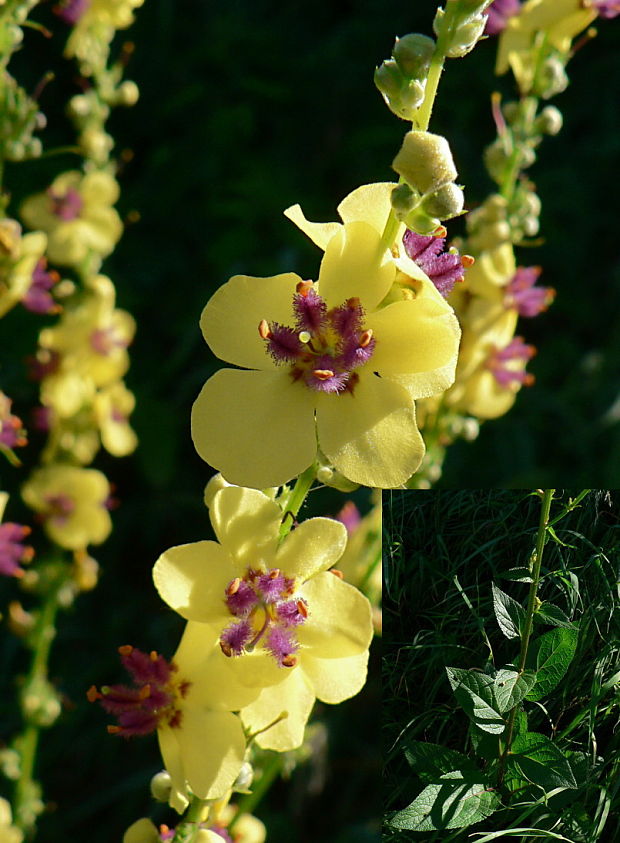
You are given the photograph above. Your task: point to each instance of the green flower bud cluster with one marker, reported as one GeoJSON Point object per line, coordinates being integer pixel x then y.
{"type": "Point", "coordinates": [402, 79]}
{"type": "Point", "coordinates": [21, 119]}
{"type": "Point", "coordinates": [40, 702]}
{"type": "Point", "coordinates": [460, 26]}
{"type": "Point", "coordinates": [428, 193]}
{"type": "Point", "coordinates": [551, 77]}
{"type": "Point", "coordinates": [524, 213]}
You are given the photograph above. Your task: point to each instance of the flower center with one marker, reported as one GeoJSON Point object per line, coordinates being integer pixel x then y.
{"type": "Point", "coordinates": [67, 205]}
{"type": "Point", "coordinates": [59, 507]}
{"type": "Point", "coordinates": [105, 340]}
{"type": "Point", "coordinates": [325, 346]}
{"type": "Point", "coordinates": [522, 294]}
{"type": "Point", "coordinates": [267, 614]}
{"type": "Point", "coordinates": [72, 10]}
{"type": "Point", "coordinates": [152, 702]}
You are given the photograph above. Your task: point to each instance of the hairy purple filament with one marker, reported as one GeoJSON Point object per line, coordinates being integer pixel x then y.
{"type": "Point", "coordinates": [500, 360]}
{"type": "Point", "coordinates": [325, 346]}
{"type": "Point", "coordinates": [444, 269]}
{"type": "Point", "coordinates": [524, 296]}
{"type": "Point", "coordinates": [266, 615]}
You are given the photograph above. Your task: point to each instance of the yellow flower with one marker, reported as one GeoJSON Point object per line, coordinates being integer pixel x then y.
{"type": "Point", "coordinates": [247, 829]}
{"type": "Point", "coordinates": [8, 832]}
{"type": "Point", "coordinates": [189, 702]}
{"type": "Point", "coordinates": [112, 406]}
{"type": "Point", "coordinates": [559, 20]}
{"type": "Point", "coordinates": [94, 25]}
{"type": "Point", "coordinates": [327, 362]}
{"type": "Point", "coordinates": [76, 213]}
{"type": "Point", "coordinates": [72, 502]}
{"type": "Point", "coordinates": [17, 264]}
{"type": "Point", "coordinates": [290, 628]}
{"type": "Point", "coordinates": [361, 561]}
{"type": "Point", "coordinates": [144, 831]}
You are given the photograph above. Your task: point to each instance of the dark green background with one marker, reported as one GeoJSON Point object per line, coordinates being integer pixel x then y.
{"type": "Point", "coordinates": [246, 108]}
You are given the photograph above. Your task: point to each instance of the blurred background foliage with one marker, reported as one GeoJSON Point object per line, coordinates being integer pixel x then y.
{"type": "Point", "coordinates": [245, 109]}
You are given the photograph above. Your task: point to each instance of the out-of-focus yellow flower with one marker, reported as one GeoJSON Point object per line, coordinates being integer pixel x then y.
{"type": "Point", "coordinates": [144, 831]}
{"type": "Point", "coordinates": [88, 348]}
{"type": "Point", "coordinates": [327, 361]}
{"type": "Point", "coordinates": [19, 258]}
{"type": "Point", "coordinates": [289, 628]}
{"type": "Point", "coordinates": [94, 24]}
{"type": "Point", "coordinates": [559, 20]}
{"type": "Point", "coordinates": [361, 561]}
{"type": "Point", "coordinates": [113, 405]}
{"type": "Point", "coordinates": [8, 832]}
{"type": "Point", "coordinates": [247, 828]}
{"type": "Point", "coordinates": [76, 213]}
{"type": "Point", "coordinates": [72, 502]}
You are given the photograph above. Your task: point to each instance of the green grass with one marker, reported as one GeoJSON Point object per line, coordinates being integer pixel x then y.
{"type": "Point", "coordinates": [442, 550]}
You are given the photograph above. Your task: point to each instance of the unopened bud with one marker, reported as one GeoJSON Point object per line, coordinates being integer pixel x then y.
{"type": "Point", "coordinates": [403, 96]}
{"type": "Point", "coordinates": [413, 54]}
{"type": "Point", "coordinates": [161, 786]}
{"type": "Point", "coordinates": [40, 702]}
{"type": "Point", "coordinates": [243, 782]}
{"type": "Point", "coordinates": [464, 31]}
{"type": "Point", "coordinates": [422, 223]}
{"type": "Point", "coordinates": [127, 93]}
{"type": "Point", "coordinates": [425, 161]}
{"type": "Point", "coordinates": [444, 203]}
{"type": "Point", "coordinates": [403, 200]}
{"type": "Point", "coordinates": [551, 79]}
{"type": "Point", "coordinates": [549, 121]}
{"type": "Point", "coordinates": [330, 477]}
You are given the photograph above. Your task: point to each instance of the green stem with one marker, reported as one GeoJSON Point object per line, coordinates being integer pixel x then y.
{"type": "Point", "coordinates": [27, 742]}
{"type": "Point", "coordinates": [187, 829]}
{"type": "Point", "coordinates": [296, 498]}
{"type": "Point", "coordinates": [543, 523]}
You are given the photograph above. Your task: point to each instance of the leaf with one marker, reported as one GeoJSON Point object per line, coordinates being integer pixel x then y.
{"type": "Point", "coordinates": [549, 656]}
{"type": "Point", "coordinates": [522, 574]}
{"type": "Point", "coordinates": [430, 760]}
{"type": "Point", "coordinates": [475, 693]}
{"type": "Point", "coordinates": [510, 614]}
{"type": "Point", "coordinates": [557, 539]}
{"type": "Point", "coordinates": [460, 800]}
{"type": "Point", "coordinates": [553, 615]}
{"type": "Point", "coordinates": [510, 688]}
{"type": "Point", "coordinates": [541, 762]}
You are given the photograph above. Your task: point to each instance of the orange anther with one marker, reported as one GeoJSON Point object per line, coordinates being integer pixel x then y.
{"type": "Point", "coordinates": [125, 650]}
{"type": "Point", "coordinates": [529, 380]}
{"type": "Point", "coordinates": [289, 661]}
{"type": "Point", "coordinates": [153, 655]}
{"type": "Point", "coordinates": [366, 338]}
{"type": "Point", "coordinates": [145, 692]}
{"type": "Point", "coordinates": [226, 648]}
{"type": "Point", "coordinates": [467, 261]}
{"type": "Point", "coordinates": [440, 231]}
{"type": "Point", "coordinates": [263, 329]}
{"type": "Point", "coordinates": [304, 287]}
{"type": "Point", "coordinates": [93, 694]}
{"type": "Point", "coordinates": [233, 587]}
{"type": "Point", "coordinates": [114, 730]}
{"type": "Point", "coordinates": [323, 374]}
{"type": "Point", "coordinates": [336, 573]}
{"type": "Point", "coordinates": [274, 573]}
{"type": "Point", "coordinates": [302, 608]}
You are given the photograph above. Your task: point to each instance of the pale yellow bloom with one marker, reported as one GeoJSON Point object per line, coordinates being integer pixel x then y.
{"type": "Point", "coordinates": [8, 832]}
{"type": "Point", "coordinates": [95, 28]}
{"type": "Point", "coordinates": [72, 502]}
{"type": "Point", "coordinates": [17, 267]}
{"type": "Point", "coordinates": [291, 630]}
{"type": "Point", "coordinates": [76, 213]}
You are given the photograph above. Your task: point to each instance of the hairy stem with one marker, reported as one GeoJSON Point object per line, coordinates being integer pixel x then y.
{"type": "Point", "coordinates": [296, 497]}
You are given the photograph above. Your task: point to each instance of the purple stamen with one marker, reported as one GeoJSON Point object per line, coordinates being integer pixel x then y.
{"type": "Point", "coordinates": [240, 602]}
{"type": "Point", "coordinates": [310, 311]}
{"type": "Point", "coordinates": [499, 13]}
{"type": "Point", "coordinates": [104, 341]}
{"type": "Point", "coordinates": [347, 319]}
{"type": "Point", "coordinates": [12, 433]}
{"type": "Point", "coordinates": [350, 516]}
{"type": "Point", "coordinates": [289, 613]}
{"type": "Point", "coordinates": [71, 11]}
{"type": "Point", "coordinates": [13, 550]}
{"type": "Point", "coordinates": [444, 269]}
{"type": "Point", "coordinates": [59, 507]}
{"type": "Point", "coordinates": [38, 298]}
{"type": "Point", "coordinates": [235, 638]}
{"type": "Point", "coordinates": [523, 296]}
{"type": "Point", "coordinates": [499, 360]}
{"type": "Point", "coordinates": [273, 586]}
{"type": "Point", "coordinates": [283, 343]}
{"type": "Point", "coordinates": [67, 205]}
{"type": "Point", "coordinates": [606, 8]}
{"type": "Point", "coordinates": [281, 645]}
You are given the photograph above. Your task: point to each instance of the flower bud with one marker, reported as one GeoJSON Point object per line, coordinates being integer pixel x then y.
{"type": "Point", "coordinates": [425, 161]}
{"type": "Point", "coordinates": [161, 786]}
{"type": "Point", "coordinates": [413, 54]}
{"type": "Point", "coordinates": [128, 93]}
{"type": "Point", "coordinates": [531, 226]}
{"type": "Point", "coordinates": [328, 475]}
{"type": "Point", "coordinates": [403, 200]}
{"type": "Point", "coordinates": [420, 222]}
{"type": "Point", "coordinates": [549, 121]}
{"type": "Point", "coordinates": [551, 79]}
{"type": "Point", "coordinates": [40, 702]}
{"type": "Point", "coordinates": [402, 96]}
{"type": "Point", "coordinates": [444, 203]}
{"type": "Point", "coordinates": [243, 782]}
{"type": "Point", "coordinates": [464, 31]}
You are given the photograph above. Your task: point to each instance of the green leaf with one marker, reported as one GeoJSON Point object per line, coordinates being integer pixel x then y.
{"type": "Point", "coordinates": [549, 657]}
{"type": "Point", "coordinates": [460, 800]}
{"type": "Point", "coordinates": [430, 760]}
{"type": "Point", "coordinates": [541, 762]}
{"type": "Point", "coordinates": [475, 693]}
{"type": "Point", "coordinates": [510, 614]}
{"type": "Point", "coordinates": [510, 688]}
{"type": "Point", "coordinates": [520, 722]}
{"type": "Point", "coordinates": [557, 539]}
{"type": "Point", "coordinates": [553, 615]}
{"type": "Point", "coordinates": [522, 574]}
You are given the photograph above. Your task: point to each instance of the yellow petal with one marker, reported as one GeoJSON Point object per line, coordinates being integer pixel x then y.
{"type": "Point", "coordinates": [369, 203]}
{"type": "Point", "coordinates": [99, 188]}
{"type": "Point", "coordinates": [487, 399]}
{"type": "Point", "coordinates": [171, 755]}
{"type": "Point", "coordinates": [335, 680]}
{"type": "Point", "coordinates": [339, 622]}
{"type": "Point", "coordinates": [257, 428]}
{"type": "Point", "coordinates": [411, 341]}
{"type": "Point", "coordinates": [142, 831]}
{"type": "Point", "coordinates": [214, 685]}
{"type": "Point", "coordinates": [371, 437]}
{"type": "Point", "coordinates": [192, 579]}
{"type": "Point", "coordinates": [356, 265]}
{"type": "Point", "coordinates": [293, 695]}
{"type": "Point", "coordinates": [319, 232]}
{"type": "Point", "coordinates": [212, 747]}
{"type": "Point", "coordinates": [231, 318]}
{"type": "Point", "coordinates": [246, 522]}
{"type": "Point", "coordinates": [314, 546]}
